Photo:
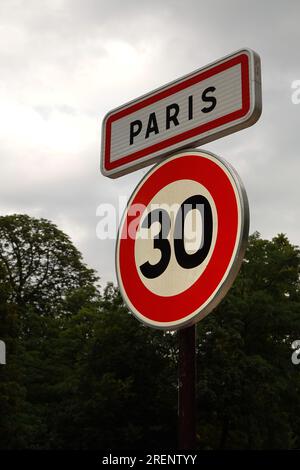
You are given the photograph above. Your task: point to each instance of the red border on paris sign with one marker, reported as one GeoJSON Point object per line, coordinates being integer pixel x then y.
{"type": "Point", "coordinates": [175, 308]}
{"type": "Point", "coordinates": [242, 59]}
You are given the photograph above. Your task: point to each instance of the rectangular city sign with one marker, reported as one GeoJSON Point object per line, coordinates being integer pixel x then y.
{"type": "Point", "coordinates": [205, 105]}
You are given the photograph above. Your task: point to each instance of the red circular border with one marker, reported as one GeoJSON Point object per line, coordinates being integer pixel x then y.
{"type": "Point", "coordinates": [175, 308]}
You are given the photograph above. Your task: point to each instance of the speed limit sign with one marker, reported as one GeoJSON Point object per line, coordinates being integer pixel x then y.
{"type": "Point", "coordinates": [182, 239]}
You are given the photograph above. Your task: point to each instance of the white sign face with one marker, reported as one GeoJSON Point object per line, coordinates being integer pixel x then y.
{"type": "Point", "coordinates": [182, 239]}
{"type": "Point", "coordinates": [209, 103]}
{"type": "Point", "coordinates": [175, 279]}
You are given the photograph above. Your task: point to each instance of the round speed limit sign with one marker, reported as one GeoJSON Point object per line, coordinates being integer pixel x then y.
{"type": "Point", "coordinates": [182, 239]}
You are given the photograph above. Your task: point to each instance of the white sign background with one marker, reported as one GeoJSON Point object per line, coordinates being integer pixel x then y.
{"type": "Point", "coordinates": [234, 82]}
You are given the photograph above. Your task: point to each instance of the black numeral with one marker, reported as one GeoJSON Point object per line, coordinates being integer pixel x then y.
{"type": "Point", "coordinates": [161, 242]}
{"type": "Point", "coordinates": [184, 259]}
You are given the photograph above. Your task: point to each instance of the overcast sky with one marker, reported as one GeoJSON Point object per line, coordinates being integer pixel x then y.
{"type": "Point", "coordinates": [65, 63]}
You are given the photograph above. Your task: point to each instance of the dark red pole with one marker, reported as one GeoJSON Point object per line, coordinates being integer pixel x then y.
{"type": "Point", "coordinates": [187, 388]}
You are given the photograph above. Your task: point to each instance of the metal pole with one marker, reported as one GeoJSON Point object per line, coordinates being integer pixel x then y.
{"type": "Point", "coordinates": [187, 388]}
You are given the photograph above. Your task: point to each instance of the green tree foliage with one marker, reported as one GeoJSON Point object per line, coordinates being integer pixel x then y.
{"type": "Point", "coordinates": [41, 264]}
{"type": "Point", "coordinates": [12, 390]}
{"type": "Point", "coordinates": [123, 393]}
{"type": "Point", "coordinates": [82, 373]}
{"type": "Point", "coordinates": [39, 268]}
{"type": "Point", "coordinates": [248, 387]}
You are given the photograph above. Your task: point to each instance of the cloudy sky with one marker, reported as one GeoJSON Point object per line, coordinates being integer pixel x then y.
{"type": "Point", "coordinates": [65, 63]}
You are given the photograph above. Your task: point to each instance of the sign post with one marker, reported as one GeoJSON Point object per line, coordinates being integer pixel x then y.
{"type": "Point", "coordinates": [184, 232]}
{"type": "Point", "coordinates": [179, 248]}
{"type": "Point", "coordinates": [187, 410]}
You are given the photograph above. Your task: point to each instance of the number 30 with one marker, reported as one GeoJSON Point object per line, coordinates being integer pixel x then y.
{"type": "Point", "coordinates": [184, 259]}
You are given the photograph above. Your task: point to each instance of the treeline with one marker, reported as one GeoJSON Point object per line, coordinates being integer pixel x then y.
{"type": "Point", "coordinates": [82, 373]}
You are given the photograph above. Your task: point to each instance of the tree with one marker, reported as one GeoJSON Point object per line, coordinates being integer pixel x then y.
{"type": "Point", "coordinates": [12, 391]}
{"type": "Point", "coordinates": [247, 385]}
{"type": "Point", "coordinates": [40, 269]}
{"type": "Point", "coordinates": [121, 390]}
{"type": "Point", "coordinates": [41, 263]}
{"type": "Point", "coordinates": [82, 373]}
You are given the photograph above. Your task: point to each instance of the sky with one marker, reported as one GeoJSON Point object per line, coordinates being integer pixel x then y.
{"type": "Point", "coordinates": [65, 63]}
